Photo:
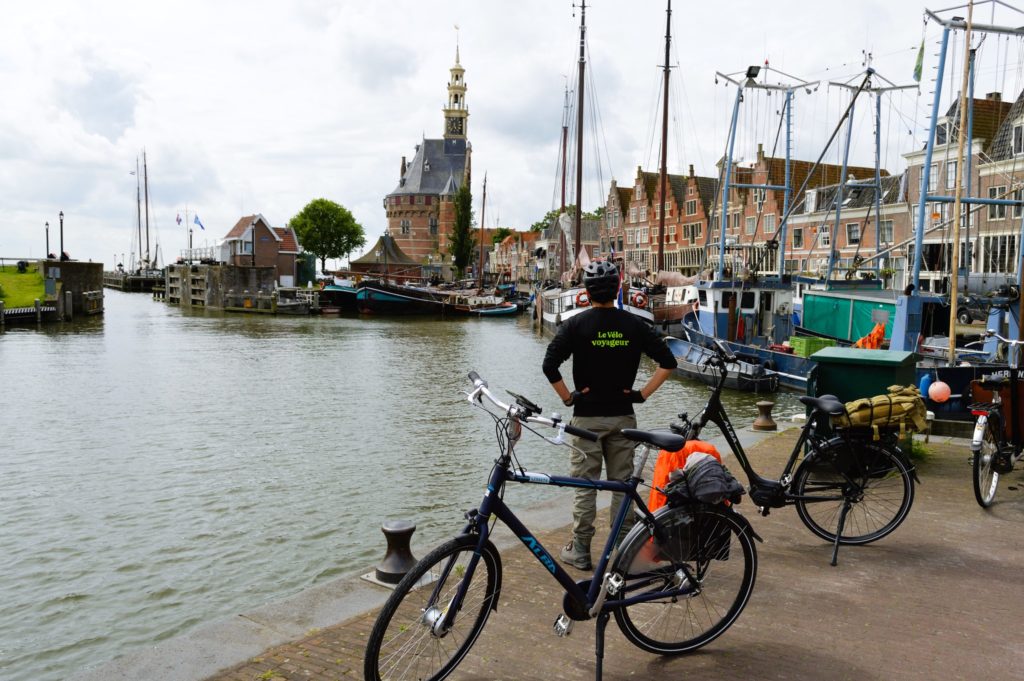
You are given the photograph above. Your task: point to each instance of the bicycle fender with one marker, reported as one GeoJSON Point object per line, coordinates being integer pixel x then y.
{"type": "Point", "coordinates": [979, 433]}
{"type": "Point", "coordinates": [747, 527]}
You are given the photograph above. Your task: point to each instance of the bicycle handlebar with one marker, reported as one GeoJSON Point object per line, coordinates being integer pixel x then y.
{"type": "Point", "coordinates": [521, 413]}
{"type": "Point", "coordinates": [991, 333]}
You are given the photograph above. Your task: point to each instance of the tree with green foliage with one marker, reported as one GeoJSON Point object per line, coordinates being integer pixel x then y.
{"type": "Point", "coordinates": [500, 234]}
{"type": "Point", "coordinates": [327, 230]}
{"type": "Point", "coordinates": [549, 217]}
{"type": "Point", "coordinates": [462, 243]}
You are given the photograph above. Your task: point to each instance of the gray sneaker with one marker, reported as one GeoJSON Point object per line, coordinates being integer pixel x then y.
{"type": "Point", "coordinates": [572, 554]}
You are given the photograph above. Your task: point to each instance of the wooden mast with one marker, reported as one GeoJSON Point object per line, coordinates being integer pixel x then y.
{"type": "Point", "coordinates": [664, 144]}
{"type": "Point", "coordinates": [483, 207]}
{"type": "Point", "coordinates": [578, 230]}
{"type": "Point", "coordinates": [138, 206]}
{"type": "Point", "coordinates": [565, 152]}
{"type": "Point", "coordinates": [954, 283]}
{"type": "Point", "coordinates": [145, 183]}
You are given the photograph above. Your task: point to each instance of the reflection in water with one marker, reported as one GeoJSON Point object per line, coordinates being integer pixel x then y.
{"type": "Point", "coordinates": [162, 468]}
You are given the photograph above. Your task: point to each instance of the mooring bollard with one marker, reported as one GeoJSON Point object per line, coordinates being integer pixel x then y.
{"type": "Point", "coordinates": [39, 311]}
{"type": "Point", "coordinates": [398, 558]}
{"type": "Point", "coordinates": [1, 314]}
{"type": "Point", "coordinates": [764, 417]}
{"type": "Point", "coordinates": [69, 310]}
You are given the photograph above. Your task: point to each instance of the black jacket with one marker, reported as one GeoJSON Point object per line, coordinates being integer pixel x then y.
{"type": "Point", "coordinates": [605, 345]}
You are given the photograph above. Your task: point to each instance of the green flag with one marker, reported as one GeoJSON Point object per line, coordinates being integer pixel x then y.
{"type": "Point", "coordinates": [920, 61]}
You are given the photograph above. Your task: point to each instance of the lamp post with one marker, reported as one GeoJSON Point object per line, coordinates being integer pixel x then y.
{"type": "Point", "coordinates": [62, 235]}
{"type": "Point", "coordinates": [47, 238]}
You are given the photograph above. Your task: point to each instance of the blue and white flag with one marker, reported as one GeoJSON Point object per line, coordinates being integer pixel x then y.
{"type": "Point", "coordinates": [199, 223]}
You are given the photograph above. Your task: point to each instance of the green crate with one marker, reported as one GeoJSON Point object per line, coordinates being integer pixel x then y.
{"type": "Point", "coordinates": [805, 346]}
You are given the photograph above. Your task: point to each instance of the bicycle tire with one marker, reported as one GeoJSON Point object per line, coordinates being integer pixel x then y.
{"type": "Point", "coordinates": [985, 477]}
{"type": "Point", "coordinates": [402, 644]}
{"type": "Point", "coordinates": [725, 570]}
{"type": "Point", "coordinates": [878, 483]}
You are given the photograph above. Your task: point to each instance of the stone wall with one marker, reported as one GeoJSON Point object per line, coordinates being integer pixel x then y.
{"type": "Point", "coordinates": [74, 276]}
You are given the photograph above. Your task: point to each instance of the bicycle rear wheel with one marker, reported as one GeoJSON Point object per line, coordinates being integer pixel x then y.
{"type": "Point", "coordinates": [406, 641]}
{"type": "Point", "coordinates": [875, 482]}
{"type": "Point", "coordinates": [986, 479]}
{"type": "Point", "coordinates": [709, 544]}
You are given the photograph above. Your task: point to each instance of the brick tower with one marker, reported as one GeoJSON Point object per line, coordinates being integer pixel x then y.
{"type": "Point", "coordinates": [420, 210]}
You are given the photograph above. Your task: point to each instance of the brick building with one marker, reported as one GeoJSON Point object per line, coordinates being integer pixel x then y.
{"type": "Point", "coordinates": [421, 210]}
{"type": "Point", "coordinates": [632, 217]}
{"type": "Point", "coordinates": [252, 242]}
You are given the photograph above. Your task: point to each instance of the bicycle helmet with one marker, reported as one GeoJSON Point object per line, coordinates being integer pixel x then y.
{"type": "Point", "coordinates": [601, 280]}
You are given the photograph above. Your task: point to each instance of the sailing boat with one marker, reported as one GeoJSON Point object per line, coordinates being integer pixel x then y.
{"type": "Point", "coordinates": [144, 272]}
{"type": "Point", "coordinates": [570, 298]}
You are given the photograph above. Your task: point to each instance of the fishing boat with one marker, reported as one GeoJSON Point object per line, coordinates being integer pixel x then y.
{"type": "Point", "coordinates": [338, 295]}
{"type": "Point", "coordinates": [383, 298]}
{"type": "Point", "coordinates": [746, 373]}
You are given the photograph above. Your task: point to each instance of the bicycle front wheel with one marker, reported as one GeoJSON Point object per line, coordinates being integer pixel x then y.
{"type": "Point", "coordinates": [875, 483]}
{"type": "Point", "coordinates": [704, 549]}
{"type": "Point", "coordinates": [409, 640]}
{"type": "Point", "coordinates": [986, 479]}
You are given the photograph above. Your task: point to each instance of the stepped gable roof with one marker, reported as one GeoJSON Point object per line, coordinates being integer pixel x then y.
{"type": "Point", "coordinates": [707, 189]}
{"type": "Point", "coordinates": [1001, 147]}
{"type": "Point", "coordinates": [625, 195]}
{"type": "Point", "coordinates": [437, 165]}
{"type": "Point", "coordinates": [243, 225]}
{"type": "Point", "coordinates": [860, 197]}
{"type": "Point", "coordinates": [289, 240]}
{"type": "Point", "coordinates": [389, 251]}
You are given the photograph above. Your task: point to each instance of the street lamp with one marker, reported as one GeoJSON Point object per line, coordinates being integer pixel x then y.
{"type": "Point", "coordinates": [47, 238]}
{"type": "Point", "coordinates": [62, 235]}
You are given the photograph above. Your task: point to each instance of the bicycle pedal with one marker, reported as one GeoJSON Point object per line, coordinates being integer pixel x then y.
{"type": "Point", "coordinates": [563, 626]}
{"type": "Point", "coordinates": [612, 583]}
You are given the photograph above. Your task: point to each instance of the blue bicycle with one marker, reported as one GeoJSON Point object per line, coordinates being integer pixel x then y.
{"type": "Point", "coordinates": [679, 578]}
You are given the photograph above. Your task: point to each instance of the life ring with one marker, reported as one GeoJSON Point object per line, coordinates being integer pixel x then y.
{"type": "Point", "coordinates": [639, 299]}
{"type": "Point", "coordinates": [582, 299]}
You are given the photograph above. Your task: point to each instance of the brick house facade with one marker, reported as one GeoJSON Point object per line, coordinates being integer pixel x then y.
{"type": "Point", "coordinates": [276, 247]}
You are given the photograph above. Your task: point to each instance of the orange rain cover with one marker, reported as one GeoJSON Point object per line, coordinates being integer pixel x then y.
{"type": "Point", "coordinates": [670, 461]}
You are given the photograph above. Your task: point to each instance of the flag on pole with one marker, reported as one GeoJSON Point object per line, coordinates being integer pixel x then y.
{"type": "Point", "coordinates": [919, 63]}
{"type": "Point", "coordinates": [199, 223]}
{"type": "Point", "coordinates": [178, 219]}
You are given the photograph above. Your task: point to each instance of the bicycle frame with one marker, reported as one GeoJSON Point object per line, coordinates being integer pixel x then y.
{"type": "Point", "coordinates": [765, 492]}
{"type": "Point", "coordinates": [493, 505]}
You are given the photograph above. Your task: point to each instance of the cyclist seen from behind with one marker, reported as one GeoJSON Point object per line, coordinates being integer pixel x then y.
{"type": "Point", "coordinates": [605, 343]}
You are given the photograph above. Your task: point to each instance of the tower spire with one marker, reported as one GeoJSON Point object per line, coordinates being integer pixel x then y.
{"type": "Point", "coordinates": [456, 113]}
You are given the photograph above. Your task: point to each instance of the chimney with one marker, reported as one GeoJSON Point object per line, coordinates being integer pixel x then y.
{"type": "Point", "coordinates": [760, 151]}
{"type": "Point", "coordinates": [994, 97]}
{"type": "Point", "coordinates": [402, 173]}
{"type": "Point", "coordinates": [691, 170]}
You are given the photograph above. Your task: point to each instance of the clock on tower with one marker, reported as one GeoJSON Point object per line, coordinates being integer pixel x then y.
{"type": "Point", "coordinates": [454, 126]}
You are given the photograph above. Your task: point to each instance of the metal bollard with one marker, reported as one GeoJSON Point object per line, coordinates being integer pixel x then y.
{"type": "Point", "coordinates": [764, 417]}
{"type": "Point", "coordinates": [398, 559]}
{"type": "Point", "coordinates": [1, 314]}
{"type": "Point", "coordinates": [69, 310]}
{"type": "Point", "coordinates": [39, 311]}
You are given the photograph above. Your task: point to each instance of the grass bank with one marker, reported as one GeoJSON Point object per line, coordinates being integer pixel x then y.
{"type": "Point", "coordinates": [21, 289]}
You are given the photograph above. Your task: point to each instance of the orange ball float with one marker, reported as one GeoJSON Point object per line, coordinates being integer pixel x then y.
{"type": "Point", "coordinates": [939, 391]}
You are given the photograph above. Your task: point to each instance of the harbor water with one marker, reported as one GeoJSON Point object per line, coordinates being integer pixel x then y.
{"type": "Point", "coordinates": [161, 468]}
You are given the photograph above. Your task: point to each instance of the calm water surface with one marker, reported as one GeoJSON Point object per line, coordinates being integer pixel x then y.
{"type": "Point", "coordinates": [160, 469]}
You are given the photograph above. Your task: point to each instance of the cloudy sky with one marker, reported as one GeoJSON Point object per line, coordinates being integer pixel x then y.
{"type": "Point", "coordinates": [261, 106]}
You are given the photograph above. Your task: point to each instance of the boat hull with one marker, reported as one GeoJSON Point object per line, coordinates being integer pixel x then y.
{"type": "Point", "coordinates": [692, 359]}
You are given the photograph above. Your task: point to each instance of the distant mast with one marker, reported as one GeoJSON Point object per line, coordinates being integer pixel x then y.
{"type": "Point", "coordinates": [483, 207]}
{"type": "Point", "coordinates": [579, 135]}
{"type": "Point", "coordinates": [562, 246]}
{"type": "Point", "coordinates": [145, 182]}
{"type": "Point", "coordinates": [664, 143]}
{"type": "Point", "coordinates": [138, 206]}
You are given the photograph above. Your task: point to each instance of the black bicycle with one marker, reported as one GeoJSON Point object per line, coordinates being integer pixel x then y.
{"type": "Point", "coordinates": [994, 450]}
{"type": "Point", "coordinates": [679, 578]}
{"type": "Point", "coordinates": [847, 489]}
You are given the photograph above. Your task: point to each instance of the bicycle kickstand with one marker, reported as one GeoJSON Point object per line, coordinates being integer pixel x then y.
{"type": "Point", "coordinates": [839, 531]}
{"type": "Point", "coordinates": [602, 622]}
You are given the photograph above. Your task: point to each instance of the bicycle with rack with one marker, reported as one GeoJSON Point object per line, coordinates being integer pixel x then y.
{"type": "Point", "coordinates": [994, 450]}
{"type": "Point", "coordinates": [679, 578]}
{"type": "Point", "coordinates": [848, 488]}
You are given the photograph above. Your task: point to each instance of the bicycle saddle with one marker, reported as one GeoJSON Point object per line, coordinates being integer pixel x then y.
{"type": "Point", "coordinates": [826, 403]}
{"type": "Point", "coordinates": [661, 439]}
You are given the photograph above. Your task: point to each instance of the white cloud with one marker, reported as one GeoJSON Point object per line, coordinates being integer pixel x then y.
{"type": "Point", "coordinates": [263, 106]}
